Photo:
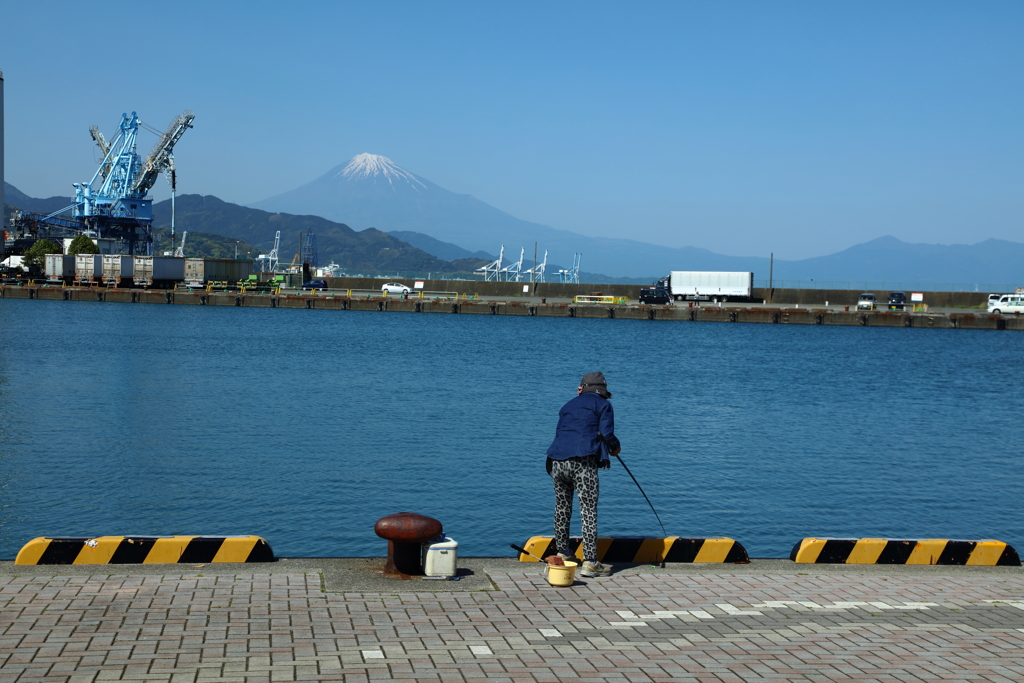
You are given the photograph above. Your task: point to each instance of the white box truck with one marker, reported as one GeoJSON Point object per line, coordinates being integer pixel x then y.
{"type": "Point", "coordinates": [693, 285]}
{"type": "Point", "coordinates": [158, 271]}
{"type": "Point", "coordinates": [118, 269]}
{"type": "Point", "coordinates": [88, 268]}
{"type": "Point", "coordinates": [60, 267]}
{"type": "Point", "coordinates": [199, 271]}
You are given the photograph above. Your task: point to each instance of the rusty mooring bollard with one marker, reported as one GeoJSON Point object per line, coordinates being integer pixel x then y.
{"type": "Point", "coordinates": [404, 532]}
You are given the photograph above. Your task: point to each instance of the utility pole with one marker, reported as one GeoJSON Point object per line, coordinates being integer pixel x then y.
{"type": "Point", "coordinates": [771, 274]}
{"type": "Point", "coordinates": [533, 273]}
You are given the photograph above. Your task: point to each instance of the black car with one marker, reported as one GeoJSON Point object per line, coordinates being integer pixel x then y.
{"type": "Point", "coordinates": [654, 295]}
{"type": "Point", "coordinates": [897, 301]}
{"type": "Point", "coordinates": [314, 284]}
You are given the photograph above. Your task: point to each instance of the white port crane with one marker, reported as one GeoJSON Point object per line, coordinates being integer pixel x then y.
{"type": "Point", "coordinates": [492, 271]}
{"type": "Point", "coordinates": [268, 262]}
{"type": "Point", "coordinates": [571, 275]}
{"type": "Point", "coordinates": [538, 276]}
{"type": "Point", "coordinates": [513, 270]}
{"type": "Point", "coordinates": [179, 250]}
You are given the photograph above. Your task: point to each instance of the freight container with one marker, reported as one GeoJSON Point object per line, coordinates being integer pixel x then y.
{"type": "Point", "coordinates": [118, 269]}
{"type": "Point", "coordinates": [217, 269]}
{"type": "Point", "coordinates": [88, 267]}
{"type": "Point", "coordinates": [699, 286]}
{"type": "Point", "coordinates": [158, 271]}
{"type": "Point", "coordinates": [60, 267]}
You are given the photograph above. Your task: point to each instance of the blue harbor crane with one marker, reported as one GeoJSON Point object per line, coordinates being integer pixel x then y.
{"type": "Point", "coordinates": [115, 203]}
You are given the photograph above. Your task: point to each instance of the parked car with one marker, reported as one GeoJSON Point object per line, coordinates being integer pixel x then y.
{"type": "Point", "coordinates": [992, 298]}
{"type": "Point", "coordinates": [1007, 303]}
{"type": "Point", "coordinates": [314, 284]}
{"type": "Point", "coordinates": [866, 302]}
{"type": "Point", "coordinates": [658, 293]}
{"type": "Point", "coordinates": [395, 288]}
{"type": "Point", "coordinates": [897, 301]}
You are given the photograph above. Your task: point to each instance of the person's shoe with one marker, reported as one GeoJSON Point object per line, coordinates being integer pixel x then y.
{"type": "Point", "coordinates": [566, 557]}
{"type": "Point", "coordinates": [595, 569]}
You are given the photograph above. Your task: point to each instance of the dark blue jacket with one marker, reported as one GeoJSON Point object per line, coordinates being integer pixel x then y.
{"type": "Point", "coordinates": [586, 425]}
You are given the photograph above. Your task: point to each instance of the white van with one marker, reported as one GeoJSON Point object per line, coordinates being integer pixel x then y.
{"type": "Point", "coordinates": [1007, 303]}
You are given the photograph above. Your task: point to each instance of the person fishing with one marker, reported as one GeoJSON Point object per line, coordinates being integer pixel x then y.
{"type": "Point", "coordinates": [584, 441]}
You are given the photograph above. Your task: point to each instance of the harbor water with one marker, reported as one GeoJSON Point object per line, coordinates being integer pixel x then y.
{"type": "Point", "coordinates": [306, 426]}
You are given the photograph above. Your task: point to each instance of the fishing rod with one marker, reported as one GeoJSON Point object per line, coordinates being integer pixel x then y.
{"type": "Point", "coordinates": [642, 493]}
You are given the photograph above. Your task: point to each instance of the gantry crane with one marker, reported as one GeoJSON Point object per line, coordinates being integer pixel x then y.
{"type": "Point", "coordinates": [120, 207]}
{"type": "Point", "coordinates": [268, 262]}
{"type": "Point", "coordinates": [115, 204]}
{"type": "Point", "coordinates": [180, 250]}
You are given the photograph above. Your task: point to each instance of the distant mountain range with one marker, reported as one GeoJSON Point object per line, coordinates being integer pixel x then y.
{"type": "Point", "coordinates": [214, 226]}
{"type": "Point", "coordinates": [371, 190]}
{"type": "Point", "coordinates": [366, 250]}
{"type": "Point", "coordinates": [368, 184]}
{"type": "Point", "coordinates": [888, 259]}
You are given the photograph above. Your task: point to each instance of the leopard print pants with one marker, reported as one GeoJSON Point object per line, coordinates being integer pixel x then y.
{"type": "Point", "coordinates": [577, 475]}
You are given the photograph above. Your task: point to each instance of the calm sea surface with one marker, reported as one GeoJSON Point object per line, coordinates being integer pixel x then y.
{"type": "Point", "coordinates": [307, 426]}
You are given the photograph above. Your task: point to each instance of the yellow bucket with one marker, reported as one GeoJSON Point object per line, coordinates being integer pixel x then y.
{"type": "Point", "coordinates": [561, 575]}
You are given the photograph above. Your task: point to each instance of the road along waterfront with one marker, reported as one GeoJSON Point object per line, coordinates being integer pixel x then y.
{"type": "Point", "coordinates": [787, 315]}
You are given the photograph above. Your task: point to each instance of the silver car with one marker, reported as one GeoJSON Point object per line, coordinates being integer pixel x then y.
{"type": "Point", "coordinates": [395, 288]}
{"type": "Point", "coordinates": [866, 302]}
{"type": "Point", "coordinates": [1007, 303]}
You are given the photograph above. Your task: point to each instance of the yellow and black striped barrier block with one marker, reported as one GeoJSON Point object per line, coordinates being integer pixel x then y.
{"type": "Point", "coordinates": [985, 552]}
{"type": "Point", "coordinates": [144, 550]}
{"type": "Point", "coordinates": [645, 549]}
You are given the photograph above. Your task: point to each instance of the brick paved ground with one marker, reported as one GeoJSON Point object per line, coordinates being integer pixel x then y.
{"type": "Point", "coordinates": [696, 627]}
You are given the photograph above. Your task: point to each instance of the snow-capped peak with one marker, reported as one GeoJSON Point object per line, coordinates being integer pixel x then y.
{"type": "Point", "coordinates": [375, 165]}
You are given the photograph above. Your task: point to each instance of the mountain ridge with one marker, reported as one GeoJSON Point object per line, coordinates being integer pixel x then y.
{"type": "Point", "coordinates": [885, 259]}
{"type": "Point", "coordinates": [409, 204]}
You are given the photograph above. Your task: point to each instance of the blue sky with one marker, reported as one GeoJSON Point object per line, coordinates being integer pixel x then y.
{"type": "Point", "coordinates": [799, 128]}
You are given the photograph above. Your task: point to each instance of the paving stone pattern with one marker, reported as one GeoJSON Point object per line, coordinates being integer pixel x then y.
{"type": "Point", "coordinates": [650, 627]}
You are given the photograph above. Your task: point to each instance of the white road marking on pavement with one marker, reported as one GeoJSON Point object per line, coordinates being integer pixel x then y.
{"type": "Point", "coordinates": [373, 654]}
{"type": "Point", "coordinates": [550, 632]}
{"type": "Point", "coordinates": [480, 650]}
{"type": "Point", "coordinates": [778, 604]}
{"type": "Point", "coordinates": [729, 609]}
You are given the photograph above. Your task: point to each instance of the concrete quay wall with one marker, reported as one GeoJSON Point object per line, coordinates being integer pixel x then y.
{"type": "Point", "coordinates": [848, 297]}
{"type": "Point", "coordinates": [553, 290]}
{"type": "Point", "coordinates": [768, 315]}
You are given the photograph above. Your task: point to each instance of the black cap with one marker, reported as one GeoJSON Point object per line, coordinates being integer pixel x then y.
{"type": "Point", "coordinates": [595, 382]}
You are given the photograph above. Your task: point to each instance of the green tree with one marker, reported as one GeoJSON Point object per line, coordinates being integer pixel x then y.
{"type": "Point", "coordinates": [83, 245]}
{"type": "Point", "coordinates": [36, 254]}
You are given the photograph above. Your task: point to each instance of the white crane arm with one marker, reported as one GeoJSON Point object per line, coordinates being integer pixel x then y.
{"type": "Point", "coordinates": [159, 160]}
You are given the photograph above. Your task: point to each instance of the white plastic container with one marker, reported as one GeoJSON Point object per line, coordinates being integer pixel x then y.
{"type": "Point", "coordinates": [441, 557]}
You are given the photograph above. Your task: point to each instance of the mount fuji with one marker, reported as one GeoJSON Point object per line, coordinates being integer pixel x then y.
{"type": "Point", "coordinates": [371, 191]}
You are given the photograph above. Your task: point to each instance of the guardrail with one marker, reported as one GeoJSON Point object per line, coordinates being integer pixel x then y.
{"type": "Point", "coordinates": [370, 293]}
{"type": "Point", "coordinates": [592, 299]}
